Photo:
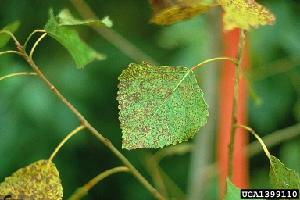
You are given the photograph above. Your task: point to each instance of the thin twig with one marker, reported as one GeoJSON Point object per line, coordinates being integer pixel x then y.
{"type": "Point", "coordinates": [159, 177]}
{"type": "Point", "coordinates": [92, 130]}
{"type": "Point", "coordinates": [211, 60]}
{"type": "Point", "coordinates": [82, 191]}
{"type": "Point", "coordinates": [162, 181]}
{"type": "Point", "coordinates": [36, 44]}
{"type": "Point", "coordinates": [9, 52]}
{"type": "Point", "coordinates": [257, 137]}
{"type": "Point", "coordinates": [18, 74]}
{"type": "Point", "coordinates": [235, 102]}
{"type": "Point", "coordinates": [275, 138]}
{"type": "Point", "coordinates": [152, 165]}
{"type": "Point", "coordinates": [71, 134]}
{"type": "Point", "coordinates": [112, 36]}
{"type": "Point", "coordinates": [173, 188]}
{"type": "Point", "coordinates": [30, 36]}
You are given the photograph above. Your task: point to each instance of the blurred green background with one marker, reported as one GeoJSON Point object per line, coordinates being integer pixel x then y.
{"type": "Point", "coordinates": [33, 121]}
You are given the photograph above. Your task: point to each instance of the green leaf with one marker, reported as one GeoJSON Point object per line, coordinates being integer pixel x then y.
{"type": "Point", "coordinates": [282, 177]}
{"type": "Point", "coordinates": [66, 19]}
{"type": "Point", "coordinates": [38, 180]}
{"type": "Point", "coordinates": [69, 38]}
{"type": "Point", "coordinates": [159, 106]}
{"type": "Point", "coordinates": [232, 192]}
{"type": "Point", "coordinates": [12, 27]}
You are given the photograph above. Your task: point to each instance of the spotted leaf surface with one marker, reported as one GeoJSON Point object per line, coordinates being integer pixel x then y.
{"type": "Point", "coordinates": [245, 14]}
{"type": "Point", "coordinates": [159, 106]}
{"type": "Point", "coordinates": [283, 177]}
{"type": "Point", "coordinates": [166, 12]}
{"type": "Point", "coordinates": [35, 181]}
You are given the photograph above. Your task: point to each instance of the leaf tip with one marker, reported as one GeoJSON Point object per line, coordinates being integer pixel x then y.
{"type": "Point", "coordinates": [107, 22]}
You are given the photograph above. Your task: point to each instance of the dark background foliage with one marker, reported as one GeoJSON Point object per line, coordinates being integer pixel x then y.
{"type": "Point", "coordinates": [33, 121]}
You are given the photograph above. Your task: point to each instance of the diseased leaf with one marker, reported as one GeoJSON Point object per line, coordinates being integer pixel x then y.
{"type": "Point", "coordinates": [12, 27]}
{"type": "Point", "coordinates": [245, 14]}
{"type": "Point", "coordinates": [166, 12]}
{"type": "Point", "coordinates": [232, 192]}
{"type": "Point", "coordinates": [159, 106]}
{"type": "Point", "coordinates": [35, 181]}
{"type": "Point", "coordinates": [282, 177]}
{"type": "Point", "coordinates": [69, 38]}
{"type": "Point", "coordinates": [65, 18]}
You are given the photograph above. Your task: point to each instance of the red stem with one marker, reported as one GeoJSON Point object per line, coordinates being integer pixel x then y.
{"type": "Point", "coordinates": [240, 165]}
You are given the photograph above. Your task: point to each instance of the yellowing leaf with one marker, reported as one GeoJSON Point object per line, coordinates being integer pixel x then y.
{"type": "Point", "coordinates": [69, 38]}
{"type": "Point", "coordinates": [283, 177]}
{"type": "Point", "coordinates": [166, 12]}
{"type": "Point", "coordinates": [35, 181]}
{"type": "Point", "coordinates": [159, 106]}
{"type": "Point", "coordinates": [245, 14]}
